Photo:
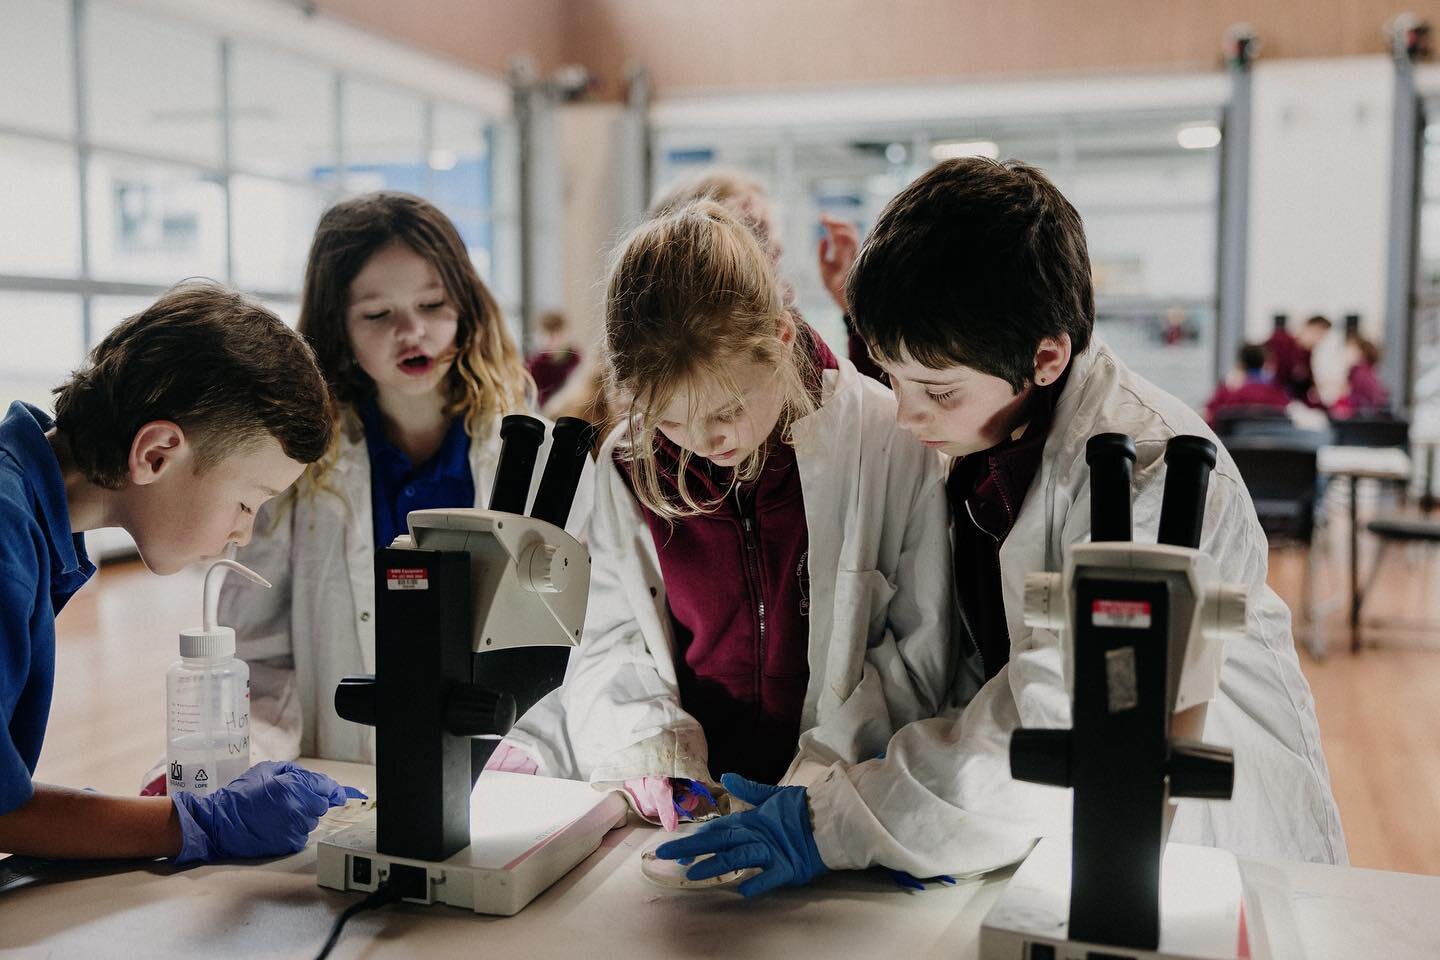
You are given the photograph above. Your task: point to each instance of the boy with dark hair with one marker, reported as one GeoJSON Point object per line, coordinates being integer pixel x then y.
{"type": "Point", "coordinates": [186, 418]}
{"type": "Point", "coordinates": [1253, 387]}
{"type": "Point", "coordinates": [974, 294]}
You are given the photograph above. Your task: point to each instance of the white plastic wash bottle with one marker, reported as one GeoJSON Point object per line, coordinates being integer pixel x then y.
{"type": "Point", "coordinates": [207, 698]}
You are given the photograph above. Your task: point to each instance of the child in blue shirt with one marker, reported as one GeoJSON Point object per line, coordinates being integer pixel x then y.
{"type": "Point", "coordinates": [186, 418]}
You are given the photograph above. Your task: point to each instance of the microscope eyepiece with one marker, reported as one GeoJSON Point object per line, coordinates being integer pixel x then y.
{"type": "Point", "coordinates": [520, 439]}
{"type": "Point", "coordinates": [1188, 463]}
{"type": "Point", "coordinates": [570, 444]}
{"type": "Point", "coordinates": [1111, 458]}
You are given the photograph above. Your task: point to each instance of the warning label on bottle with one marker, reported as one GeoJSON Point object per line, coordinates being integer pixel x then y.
{"type": "Point", "coordinates": [1124, 614]}
{"type": "Point", "coordinates": [407, 578]}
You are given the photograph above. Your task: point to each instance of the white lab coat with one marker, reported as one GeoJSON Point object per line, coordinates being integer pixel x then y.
{"type": "Point", "coordinates": [943, 801]}
{"type": "Point", "coordinates": [880, 654]}
{"type": "Point", "coordinates": [317, 624]}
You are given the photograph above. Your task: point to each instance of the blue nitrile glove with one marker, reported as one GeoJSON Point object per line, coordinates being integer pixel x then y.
{"type": "Point", "coordinates": [267, 811]}
{"type": "Point", "coordinates": [776, 837]}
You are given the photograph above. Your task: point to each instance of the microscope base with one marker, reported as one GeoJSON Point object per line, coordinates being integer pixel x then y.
{"type": "Point", "coordinates": [525, 834]}
{"type": "Point", "coordinates": [1202, 915]}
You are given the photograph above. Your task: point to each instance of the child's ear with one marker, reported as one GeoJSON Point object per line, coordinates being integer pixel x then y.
{"type": "Point", "coordinates": [788, 331]}
{"type": "Point", "coordinates": [154, 450]}
{"type": "Point", "coordinates": [1051, 358]}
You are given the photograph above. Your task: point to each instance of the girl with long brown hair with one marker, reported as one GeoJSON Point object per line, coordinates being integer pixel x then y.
{"type": "Point", "coordinates": [422, 366]}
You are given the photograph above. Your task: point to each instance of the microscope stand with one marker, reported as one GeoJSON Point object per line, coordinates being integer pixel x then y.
{"type": "Point", "coordinates": [526, 833]}
{"type": "Point", "coordinates": [1202, 913]}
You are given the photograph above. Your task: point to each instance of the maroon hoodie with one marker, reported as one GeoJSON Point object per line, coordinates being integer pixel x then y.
{"type": "Point", "coordinates": [738, 583]}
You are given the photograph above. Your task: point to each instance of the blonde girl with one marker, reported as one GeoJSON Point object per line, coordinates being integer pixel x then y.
{"type": "Point", "coordinates": [771, 561]}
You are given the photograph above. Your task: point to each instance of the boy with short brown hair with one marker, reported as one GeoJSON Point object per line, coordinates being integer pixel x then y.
{"type": "Point", "coordinates": [184, 420]}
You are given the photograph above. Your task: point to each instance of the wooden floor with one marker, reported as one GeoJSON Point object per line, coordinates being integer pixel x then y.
{"type": "Point", "coordinates": [1379, 711]}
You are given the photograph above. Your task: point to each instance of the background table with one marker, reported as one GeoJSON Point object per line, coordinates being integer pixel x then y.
{"type": "Point", "coordinates": [1361, 463]}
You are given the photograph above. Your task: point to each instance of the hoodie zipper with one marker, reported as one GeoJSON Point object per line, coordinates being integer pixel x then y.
{"type": "Point", "coordinates": [752, 569]}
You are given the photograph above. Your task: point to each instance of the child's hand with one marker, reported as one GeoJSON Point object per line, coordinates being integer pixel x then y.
{"type": "Point", "coordinates": [838, 249]}
{"type": "Point", "coordinates": [655, 800]}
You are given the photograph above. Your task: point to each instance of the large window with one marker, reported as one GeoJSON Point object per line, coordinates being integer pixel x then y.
{"type": "Point", "coordinates": [137, 151]}
{"type": "Point", "coordinates": [1426, 362]}
{"type": "Point", "coordinates": [1146, 185]}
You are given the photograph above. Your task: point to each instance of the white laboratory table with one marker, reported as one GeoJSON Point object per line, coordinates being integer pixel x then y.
{"type": "Point", "coordinates": [606, 909]}
{"type": "Point", "coordinates": [1387, 464]}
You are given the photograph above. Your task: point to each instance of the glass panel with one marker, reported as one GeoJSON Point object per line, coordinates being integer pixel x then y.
{"type": "Point", "coordinates": [38, 84]}
{"type": "Point", "coordinates": [1426, 322]}
{"type": "Point", "coordinates": [384, 135]}
{"type": "Point", "coordinates": [460, 162]}
{"type": "Point", "coordinates": [1150, 207]}
{"type": "Point", "coordinates": [154, 223]}
{"type": "Point", "coordinates": [282, 114]}
{"type": "Point", "coordinates": [40, 188]}
{"type": "Point", "coordinates": [151, 85]}
{"type": "Point", "coordinates": [273, 225]}
{"type": "Point", "coordinates": [44, 341]}
{"type": "Point", "coordinates": [504, 262]}
{"type": "Point", "coordinates": [850, 179]}
{"type": "Point", "coordinates": [107, 312]}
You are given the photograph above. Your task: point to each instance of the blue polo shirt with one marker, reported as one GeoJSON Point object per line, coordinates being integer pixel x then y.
{"type": "Point", "coordinates": [398, 486]}
{"type": "Point", "coordinates": [42, 564]}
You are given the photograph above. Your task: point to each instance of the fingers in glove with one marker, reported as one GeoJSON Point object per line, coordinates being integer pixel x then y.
{"type": "Point", "coordinates": [743, 857]}
{"type": "Point", "coordinates": [320, 785]}
{"type": "Point", "coordinates": [711, 838]}
{"type": "Point", "coordinates": [750, 791]}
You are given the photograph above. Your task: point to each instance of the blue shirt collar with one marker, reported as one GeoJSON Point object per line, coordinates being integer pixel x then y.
{"type": "Point", "coordinates": [451, 460]}
{"type": "Point", "coordinates": [22, 436]}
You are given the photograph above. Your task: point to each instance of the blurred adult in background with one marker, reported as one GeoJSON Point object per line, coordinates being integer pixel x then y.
{"type": "Point", "coordinates": [1251, 386]}
{"type": "Point", "coordinates": [1366, 394]}
{"type": "Point", "coordinates": [744, 197]}
{"type": "Point", "coordinates": [552, 364]}
{"type": "Point", "coordinates": [587, 395]}
{"type": "Point", "coordinates": [839, 246]}
{"type": "Point", "coordinates": [1290, 358]}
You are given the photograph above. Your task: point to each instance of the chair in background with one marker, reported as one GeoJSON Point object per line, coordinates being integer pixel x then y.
{"type": "Point", "coordinates": [1244, 421]}
{"type": "Point", "coordinates": [1371, 432]}
{"type": "Point", "coordinates": [1281, 474]}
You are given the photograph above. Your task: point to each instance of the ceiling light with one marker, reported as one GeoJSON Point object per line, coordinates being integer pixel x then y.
{"type": "Point", "coordinates": [1200, 137]}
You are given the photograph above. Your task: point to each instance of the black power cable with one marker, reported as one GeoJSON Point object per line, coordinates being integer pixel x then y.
{"type": "Point", "coordinates": [383, 895]}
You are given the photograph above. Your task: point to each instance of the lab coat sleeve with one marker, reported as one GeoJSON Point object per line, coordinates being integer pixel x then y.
{"type": "Point", "coordinates": [621, 695]}
{"type": "Point", "coordinates": [901, 613]}
{"type": "Point", "coordinates": [941, 800]}
{"type": "Point", "coordinates": [261, 619]}
{"type": "Point", "coordinates": [583, 506]}
{"type": "Point", "coordinates": [914, 658]}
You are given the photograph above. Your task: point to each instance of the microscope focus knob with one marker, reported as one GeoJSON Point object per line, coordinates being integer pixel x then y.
{"type": "Point", "coordinates": [546, 569]}
{"type": "Point", "coordinates": [1040, 756]}
{"type": "Point", "coordinates": [474, 711]}
{"type": "Point", "coordinates": [1200, 771]}
{"type": "Point", "coordinates": [1045, 601]}
{"type": "Point", "coordinates": [355, 698]}
{"type": "Point", "coordinates": [1223, 614]}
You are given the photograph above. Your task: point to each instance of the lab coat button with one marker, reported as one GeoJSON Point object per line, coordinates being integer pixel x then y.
{"type": "Point", "coordinates": [364, 616]}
